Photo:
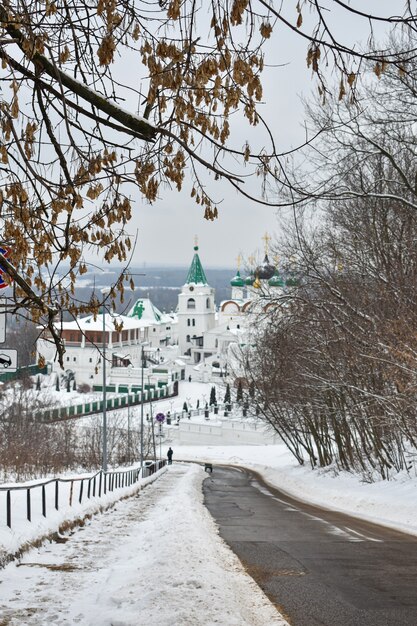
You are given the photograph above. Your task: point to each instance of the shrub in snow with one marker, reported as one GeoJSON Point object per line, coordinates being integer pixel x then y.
{"type": "Point", "coordinates": [83, 388]}
{"type": "Point", "coordinates": [227, 398]}
{"type": "Point", "coordinates": [239, 392]}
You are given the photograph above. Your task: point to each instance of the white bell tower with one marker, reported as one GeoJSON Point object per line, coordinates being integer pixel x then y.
{"type": "Point", "coordinates": [196, 311]}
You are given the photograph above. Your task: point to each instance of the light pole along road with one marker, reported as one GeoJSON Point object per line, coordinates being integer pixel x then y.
{"type": "Point", "coordinates": [320, 568]}
{"type": "Point", "coordinates": [105, 291]}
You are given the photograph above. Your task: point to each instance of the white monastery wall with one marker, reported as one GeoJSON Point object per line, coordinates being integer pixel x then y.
{"type": "Point", "coordinates": [233, 432]}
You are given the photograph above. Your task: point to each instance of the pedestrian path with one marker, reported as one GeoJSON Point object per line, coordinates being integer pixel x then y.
{"type": "Point", "coordinates": [154, 559]}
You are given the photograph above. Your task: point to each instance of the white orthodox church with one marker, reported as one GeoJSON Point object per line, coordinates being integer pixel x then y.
{"type": "Point", "coordinates": [204, 334]}
{"type": "Point", "coordinates": [196, 312]}
{"type": "Point", "coordinates": [196, 334]}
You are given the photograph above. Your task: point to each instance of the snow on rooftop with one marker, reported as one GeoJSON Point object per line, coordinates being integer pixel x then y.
{"type": "Point", "coordinates": [144, 310]}
{"type": "Point", "coordinates": [94, 324]}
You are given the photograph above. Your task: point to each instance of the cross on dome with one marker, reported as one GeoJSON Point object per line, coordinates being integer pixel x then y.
{"type": "Point", "coordinates": [267, 239]}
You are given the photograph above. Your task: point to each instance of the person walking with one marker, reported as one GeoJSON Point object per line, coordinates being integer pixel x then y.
{"type": "Point", "coordinates": [169, 455]}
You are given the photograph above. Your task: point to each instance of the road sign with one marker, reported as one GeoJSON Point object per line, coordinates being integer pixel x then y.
{"type": "Point", "coordinates": [8, 360]}
{"type": "Point", "coordinates": [5, 251]}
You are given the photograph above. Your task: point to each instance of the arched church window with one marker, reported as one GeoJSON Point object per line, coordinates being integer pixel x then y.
{"type": "Point", "coordinates": [216, 343]}
{"type": "Point", "coordinates": [188, 322]}
{"type": "Point", "coordinates": [193, 322]}
{"type": "Point", "coordinates": [188, 338]}
{"type": "Point", "coordinates": [208, 303]}
{"type": "Point", "coordinates": [190, 303]}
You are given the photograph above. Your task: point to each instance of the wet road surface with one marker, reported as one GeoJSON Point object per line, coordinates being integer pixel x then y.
{"type": "Point", "coordinates": [318, 567]}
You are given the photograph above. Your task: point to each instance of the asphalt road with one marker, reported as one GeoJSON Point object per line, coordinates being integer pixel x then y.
{"type": "Point", "coordinates": [317, 566]}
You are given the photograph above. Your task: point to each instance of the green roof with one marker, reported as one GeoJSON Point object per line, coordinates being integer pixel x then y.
{"type": "Point", "coordinates": [196, 273]}
{"type": "Point", "coordinates": [237, 281]}
{"type": "Point", "coordinates": [276, 280]}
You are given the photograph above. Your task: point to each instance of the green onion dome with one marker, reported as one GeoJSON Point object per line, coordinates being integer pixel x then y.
{"type": "Point", "coordinates": [237, 281]}
{"type": "Point", "coordinates": [276, 280]}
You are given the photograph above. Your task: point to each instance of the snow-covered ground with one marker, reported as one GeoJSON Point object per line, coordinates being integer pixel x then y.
{"type": "Point", "coordinates": [24, 533]}
{"type": "Point", "coordinates": [391, 503]}
{"type": "Point", "coordinates": [155, 559]}
{"type": "Point", "coordinates": [189, 393]}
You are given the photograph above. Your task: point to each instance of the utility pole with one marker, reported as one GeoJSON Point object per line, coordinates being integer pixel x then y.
{"type": "Point", "coordinates": [141, 415]}
{"type": "Point", "coordinates": [104, 394]}
{"type": "Point", "coordinates": [104, 291]}
{"type": "Point", "coordinates": [128, 429]}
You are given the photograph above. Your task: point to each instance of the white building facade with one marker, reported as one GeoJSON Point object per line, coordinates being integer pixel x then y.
{"type": "Point", "coordinates": [122, 338]}
{"type": "Point", "coordinates": [196, 311]}
{"type": "Point", "coordinates": [197, 331]}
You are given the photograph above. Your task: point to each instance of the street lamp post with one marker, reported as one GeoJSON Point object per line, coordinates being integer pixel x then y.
{"type": "Point", "coordinates": [104, 463]}
{"type": "Point", "coordinates": [128, 429]}
{"type": "Point", "coordinates": [104, 291]}
{"type": "Point", "coordinates": [141, 406]}
{"type": "Point", "coordinates": [141, 414]}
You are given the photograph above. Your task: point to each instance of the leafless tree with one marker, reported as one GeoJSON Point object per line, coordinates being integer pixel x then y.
{"type": "Point", "coordinates": [335, 368]}
{"type": "Point", "coordinates": [29, 448]}
{"type": "Point", "coordinates": [376, 133]}
{"type": "Point", "coordinates": [69, 150]}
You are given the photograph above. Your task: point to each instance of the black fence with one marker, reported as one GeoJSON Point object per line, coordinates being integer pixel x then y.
{"type": "Point", "coordinates": [22, 500]}
{"type": "Point", "coordinates": [221, 410]}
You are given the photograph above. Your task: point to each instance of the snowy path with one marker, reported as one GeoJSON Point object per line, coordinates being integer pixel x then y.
{"type": "Point", "coordinates": [153, 560]}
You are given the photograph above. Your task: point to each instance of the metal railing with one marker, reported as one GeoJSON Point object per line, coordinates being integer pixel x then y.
{"type": "Point", "coordinates": [60, 492]}
{"type": "Point", "coordinates": [221, 409]}
{"type": "Point", "coordinates": [92, 407]}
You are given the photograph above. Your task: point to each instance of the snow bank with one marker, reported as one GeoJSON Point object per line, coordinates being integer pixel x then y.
{"type": "Point", "coordinates": [152, 560]}
{"type": "Point", "coordinates": [392, 503]}
{"type": "Point", "coordinates": [192, 577]}
{"type": "Point", "coordinates": [24, 532]}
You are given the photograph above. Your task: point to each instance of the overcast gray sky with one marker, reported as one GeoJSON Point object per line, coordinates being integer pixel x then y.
{"type": "Point", "coordinates": [167, 228]}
